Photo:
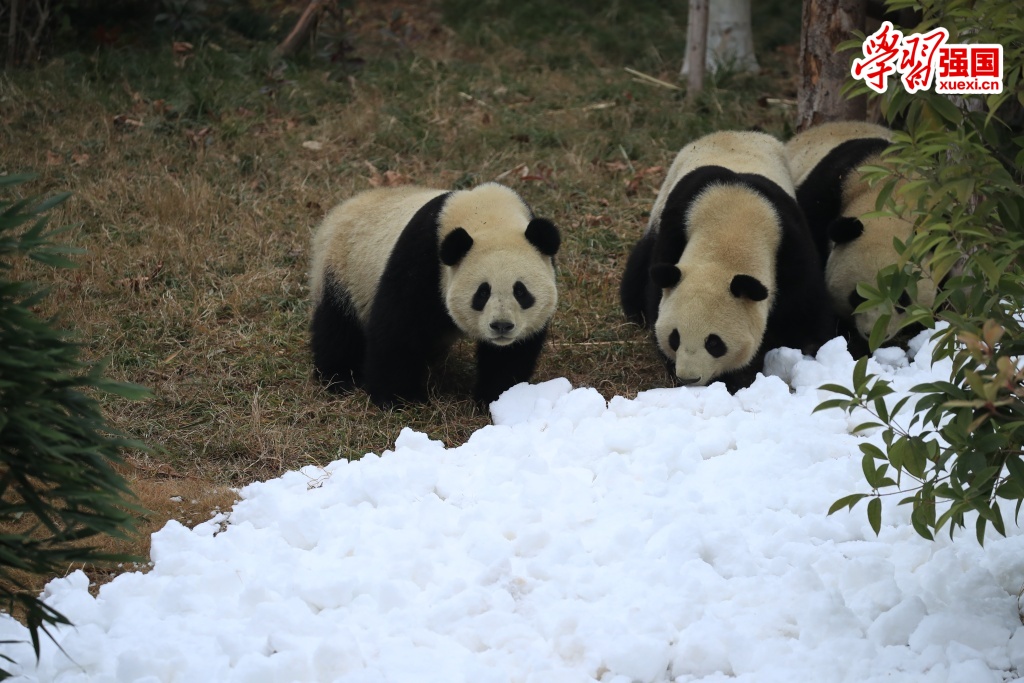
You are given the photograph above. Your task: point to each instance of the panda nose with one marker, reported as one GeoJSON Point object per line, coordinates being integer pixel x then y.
{"type": "Point", "coordinates": [687, 381]}
{"type": "Point", "coordinates": [502, 326]}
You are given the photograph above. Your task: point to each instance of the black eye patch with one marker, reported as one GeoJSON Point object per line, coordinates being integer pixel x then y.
{"type": "Point", "coordinates": [673, 340]}
{"type": "Point", "coordinates": [903, 302]}
{"type": "Point", "coordinates": [522, 295]}
{"type": "Point", "coordinates": [715, 346]}
{"type": "Point", "coordinates": [855, 299]}
{"type": "Point", "coordinates": [483, 293]}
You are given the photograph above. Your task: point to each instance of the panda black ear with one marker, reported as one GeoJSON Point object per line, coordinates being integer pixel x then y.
{"type": "Point", "coordinates": [665, 275]}
{"type": "Point", "coordinates": [543, 234]}
{"type": "Point", "coordinates": [748, 287]}
{"type": "Point", "coordinates": [845, 229]}
{"type": "Point", "coordinates": [454, 246]}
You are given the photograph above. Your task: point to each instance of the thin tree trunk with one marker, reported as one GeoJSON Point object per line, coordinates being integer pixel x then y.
{"type": "Point", "coordinates": [730, 39]}
{"type": "Point", "coordinates": [696, 46]}
{"type": "Point", "coordinates": [43, 9]}
{"type": "Point", "coordinates": [302, 28]}
{"type": "Point", "coordinates": [12, 33]}
{"type": "Point", "coordinates": [826, 23]}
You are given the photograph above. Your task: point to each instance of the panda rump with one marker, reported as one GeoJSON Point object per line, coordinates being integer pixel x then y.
{"type": "Point", "coordinates": [726, 238]}
{"type": "Point", "coordinates": [398, 274]}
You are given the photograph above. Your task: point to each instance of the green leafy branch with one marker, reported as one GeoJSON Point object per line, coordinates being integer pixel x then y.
{"type": "Point", "coordinates": [954, 171]}
{"type": "Point", "coordinates": [59, 486]}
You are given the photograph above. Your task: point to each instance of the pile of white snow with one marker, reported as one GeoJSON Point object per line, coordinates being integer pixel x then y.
{"type": "Point", "coordinates": [679, 536]}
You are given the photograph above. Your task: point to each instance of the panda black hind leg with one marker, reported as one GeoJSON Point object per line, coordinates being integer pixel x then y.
{"type": "Point", "coordinates": [336, 340]}
{"type": "Point", "coordinates": [501, 367]}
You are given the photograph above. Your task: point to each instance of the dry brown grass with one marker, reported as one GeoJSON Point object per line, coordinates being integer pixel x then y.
{"type": "Point", "coordinates": [195, 198]}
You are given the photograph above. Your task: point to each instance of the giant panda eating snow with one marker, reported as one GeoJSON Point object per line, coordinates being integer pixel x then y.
{"type": "Point", "coordinates": [726, 269]}
{"type": "Point", "coordinates": [834, 197]}
{"type": "Point", "coordinates": [398, 274]}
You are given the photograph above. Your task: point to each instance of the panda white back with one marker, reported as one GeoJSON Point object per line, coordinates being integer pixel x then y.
{"type": "Point", "coordinates": [738, 151]}
{"type": "Point", "coordinates": [806, 149]}
{"type": "Point", "coordinates": [356, 239]}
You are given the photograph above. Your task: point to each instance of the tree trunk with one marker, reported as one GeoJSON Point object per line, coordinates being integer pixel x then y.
{"type": "Point", "coordinates": [12, 33]}
{"type": "Point", "coordinates": [301, 29]}
{"type": "Point", "coordinates": [826, 23]}
{"type": "Point", "coordinates": [730, 40]}
{"type": "Point", "coordinates": [696, 45]}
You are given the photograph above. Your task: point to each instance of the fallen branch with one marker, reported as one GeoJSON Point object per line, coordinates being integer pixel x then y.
{"type": "Point", "coordinates": [598, 105]}
{"type": "Point", "coordinates": [651, 80]}
{"type": "Point", "coordinates": [469, 98]}
{"type": "Point", "coordinates": [778, 102]}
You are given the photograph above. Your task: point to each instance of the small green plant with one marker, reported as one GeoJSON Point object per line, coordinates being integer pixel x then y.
{"type": "Point", "coordinates": [58, 482]}
{"type": "Point", "coordinates": [956, 173]}
{"type": "Point", "coordinates": [183, 17]}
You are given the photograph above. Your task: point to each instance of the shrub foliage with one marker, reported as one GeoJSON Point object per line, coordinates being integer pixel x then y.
{"type": "Point", "coordinates": [58, 482]}
{"type": "Point", "coordinates": [956, 173]}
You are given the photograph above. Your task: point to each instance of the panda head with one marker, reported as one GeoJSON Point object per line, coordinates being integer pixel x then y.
{"type": "Point", "coordinates": [498, 273]}
{"type": "Point", "coordinates": [710, 321]}
{"type": "Point", "coordinates": [860, 249]}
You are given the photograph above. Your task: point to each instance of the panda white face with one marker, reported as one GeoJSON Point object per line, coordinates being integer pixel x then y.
{"type": "Point", "coordinates": [709, 323]}
{"type": "Point", "coordinates": [860, 251]}
{"type": "Point", "coordinates": [498, 276]}
{"type": "Point", "coordinates": [500, 286]}
{"type": "Point", "coordinates": [845, 305]}
{"type": "Point", "coordinates": [501, 297]}
{"type": "Point", "coordinates": [865, 321]}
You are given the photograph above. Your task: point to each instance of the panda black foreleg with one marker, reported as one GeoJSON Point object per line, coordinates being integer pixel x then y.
{"type": "Point", "coordinates": [336, 340]}
{"type": "Point", "coordinates": [501, 367]}
{"type": "Point", "coordinates": [744, 377]}
{"type": "Point", "coordinates": [400, 349]}
{"type": "Point", "coordinates": [636, 281]}
{"type": "Point", "coordinates": [855, 343]}
{"type": "Point", "coordinates": [396, 371]}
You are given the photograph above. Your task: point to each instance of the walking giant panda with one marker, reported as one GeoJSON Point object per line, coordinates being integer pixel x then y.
{"type": "Point", "coordinates": [834, 197]}
{"type": "Point", "coordinates": [398, 274]}
{"type": "Point", "coordinates": [726, 269]}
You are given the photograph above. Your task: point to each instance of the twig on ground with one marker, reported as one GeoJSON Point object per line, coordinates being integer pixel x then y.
{"type": "Point", "coordinates": [650, 80]}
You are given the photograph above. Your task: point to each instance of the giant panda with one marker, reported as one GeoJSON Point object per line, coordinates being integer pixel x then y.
{"type": "Point", "coordinates": [398, 274]}
{"type": "Point", "coordinates": [834, 197]}
{"type": "Point", "coordinates": [726, 269]}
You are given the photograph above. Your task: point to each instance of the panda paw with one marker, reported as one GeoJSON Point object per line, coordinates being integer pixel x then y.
{"type": "Point", "coordinates": [484, 401]}
{"type": "Point", "coordinates": [394, 401]}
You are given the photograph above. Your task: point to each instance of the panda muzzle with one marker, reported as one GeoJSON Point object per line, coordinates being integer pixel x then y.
{"type": "Point", "coordinates": [503, 327]}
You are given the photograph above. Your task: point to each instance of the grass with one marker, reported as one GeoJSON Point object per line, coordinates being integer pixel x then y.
{"type": "Point", "coordinates": [199, 174]}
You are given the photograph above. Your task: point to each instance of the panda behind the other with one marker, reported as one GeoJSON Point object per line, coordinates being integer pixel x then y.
{"type": "Point", "coordinates": [726, 269]}
{"type": "Point", "coordinates": [835, 197]}
{"type": "Point", "coordinates": [398, 274]}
